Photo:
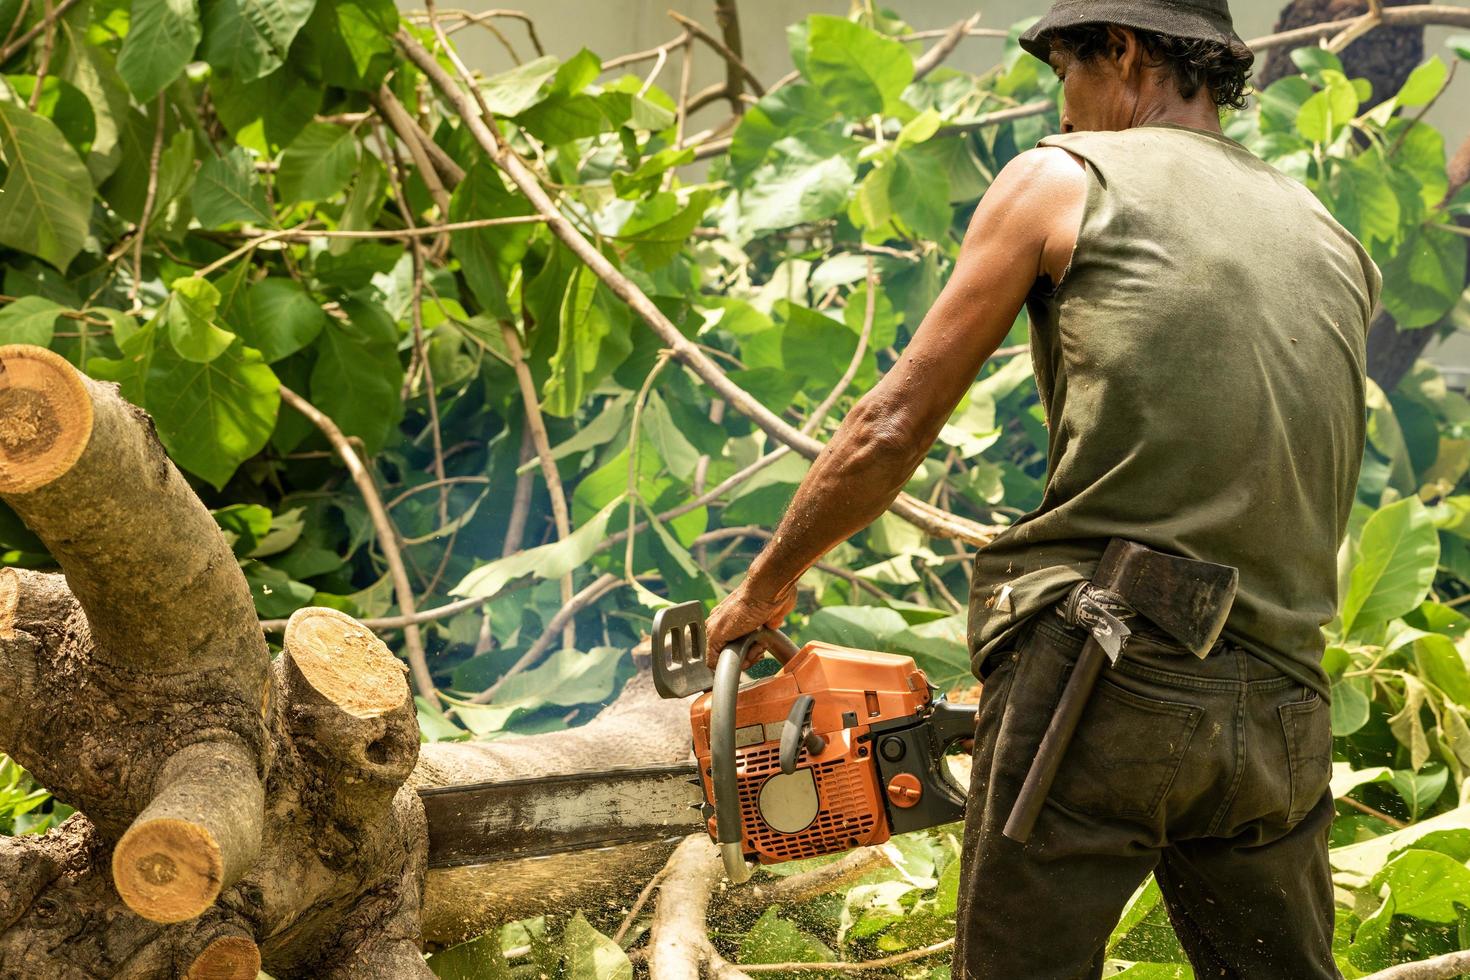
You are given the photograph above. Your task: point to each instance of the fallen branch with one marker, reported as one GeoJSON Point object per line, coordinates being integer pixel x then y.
{"type": "Point", "coordinates": [413, 642]}
{"type": "Point", "coordinates": [843, 966]}
{"type": "Point", "coordinates": [931, 520]}
{"type": "Point", "coordinates": [804, 887]}
{"type": "Point", "coordinates": [1443, 967]}
{"type": "Point", "coordinates": [679, 946]}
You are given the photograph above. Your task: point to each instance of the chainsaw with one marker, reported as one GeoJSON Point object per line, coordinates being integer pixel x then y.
{"type": "Point", "coordinates": [838, 749]}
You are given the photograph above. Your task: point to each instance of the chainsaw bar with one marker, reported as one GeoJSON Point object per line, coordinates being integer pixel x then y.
{"type": "Point", "coordinates": [482, 823]}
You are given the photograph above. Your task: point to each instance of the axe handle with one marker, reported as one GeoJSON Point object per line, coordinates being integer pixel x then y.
{"type": "Point", "coordinates": [1054, 743]}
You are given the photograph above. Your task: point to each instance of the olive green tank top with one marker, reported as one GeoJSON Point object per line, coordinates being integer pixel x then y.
{"type": "Point", "coordinates": [1201, 367]}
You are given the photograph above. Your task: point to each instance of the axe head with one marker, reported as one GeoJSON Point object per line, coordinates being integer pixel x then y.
{"type": "Point", "coordinates": [1187, 599]}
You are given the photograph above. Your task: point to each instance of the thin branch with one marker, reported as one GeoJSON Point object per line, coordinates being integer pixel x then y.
{"type": "Point", "coordinates": [520, 505]}
{"type": "Point", "coordinates": [469, 18]}
{"type": "Point", "coordinates": [1420, 15]}
{"type": "Point", "coordinates": [549, 472]}
{"type": "Point", "coordinates": [638, 904]}
{"type": "Point", "coordinates": [929, 519]}
{"type": "Point", "coordinates": [727, 15]}
{"type": "Point", "coordinates": [995, 118]}
{"type": "Point", "coordinates": [43, 64]}
{"type": "Point", "coordinates": [408, 130]}
{"type": "Point", "coordinates": [148, 198]}
{"type": "Point", "coordinates": [598, 588]}
{"type": "Point", "coordinates": [820, 414]}
{"type": "Point", "coordinates": [1362, 807]}
{"type": "Point", "coordinates": [632, 59]}
{"type": "Point", "coordinates": [387, 537]}
{"type": "Point", "coordinates": [44, 24]}
{"type": "Point", "coordinates": [934, 57]}
{"type": "Point", "coordinates": [840, 966]}
{"type": "Point", "coordinates": [722, 49]}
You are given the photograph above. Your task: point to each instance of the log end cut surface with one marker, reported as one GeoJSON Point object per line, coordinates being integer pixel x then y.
{"type": "Point", "coordinates": [227, 958]}
{"type": "Point", "coordinates": [45, 417]}
{"type": "Point", "coordinates": [345, 662]}
{"type": "Point", "coordinates": [168, 870]}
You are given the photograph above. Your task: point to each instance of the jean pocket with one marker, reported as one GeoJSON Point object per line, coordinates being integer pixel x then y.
{"type": "Point", "coordinates": [1125, 753]}
{"type": "Point", "coordinates": [1308, 732]}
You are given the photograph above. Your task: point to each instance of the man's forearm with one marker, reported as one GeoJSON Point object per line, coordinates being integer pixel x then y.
{"type": "Point", "coordinates": [858, 474]}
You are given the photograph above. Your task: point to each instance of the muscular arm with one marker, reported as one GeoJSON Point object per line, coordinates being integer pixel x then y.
{"type": "Point", "coordinates": [1023, 228]}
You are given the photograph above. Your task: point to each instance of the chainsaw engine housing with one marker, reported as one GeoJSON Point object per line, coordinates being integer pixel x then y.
{"type": "Point", "coordinates": [877, 768]}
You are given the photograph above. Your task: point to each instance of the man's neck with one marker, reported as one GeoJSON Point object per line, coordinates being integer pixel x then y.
{"type": "Point", "coordinates": [1195, 114]}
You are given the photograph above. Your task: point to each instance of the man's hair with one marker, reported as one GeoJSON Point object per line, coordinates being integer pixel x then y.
{"type": "Point", "coordinates": [1195, 64]}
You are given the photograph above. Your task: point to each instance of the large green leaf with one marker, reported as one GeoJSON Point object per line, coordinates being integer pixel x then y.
{"type": "Point", "coordinates": [46, 202]}
{"type": "Point", "coordinates": [783, 113]}
{"type": "Point", "coordinates": [1425, 277]}
{"type": "Point", "coordinates": [189, 316]}
{"type": "Point", "coordinates": [548, 561]}
{"type": "Point", "coordinates": [512, 92]}
{"type": "Point", "coordinates": [807, 180]}
{"type": "Point", "coordinates": [357, 375]}
{"type": "Point", "coordinates": [487, 256]}
{"type": "Point", "coordinates": [318, 163]}
{"type": "Point", "coordinates": [854, 68]}
{"type": "Point", "coordinates": [249, 38]}
{"type": "Point", "coordinates": [160, 41]}
{"type": "Point", "coordinates": [593, 338]}
{"type": "Point", "coordinates": [659, 227]}
{"type": "Point", "coordinates": [350, 41]}
{"type": "Point", "coordinates": [1426, 885]}
{"type": "Point", "coordinates": [278, 317]}
{"type": "Point", "coordinates": [212, 417]}
{"type": "Point", "coordinates": [227, 190]}
{"type": "Point", "coordinates": [592, 956]}
{"type": "Point", "coordinates": [1324, 114]}
{"type": "Point", "coordinates": [775, 940]}
{"type": "Point", "coordinates": [1397, 555]}
{"type": "Point", "coordinates": [567, 678]}
{"type": "Point", "coordinates": [29, 320]}
{"type": "Point", "coordinates": [1423, 83]}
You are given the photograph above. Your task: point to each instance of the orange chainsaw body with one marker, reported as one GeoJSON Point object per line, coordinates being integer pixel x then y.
{"type": "Point", "coordinates": [839, 787]}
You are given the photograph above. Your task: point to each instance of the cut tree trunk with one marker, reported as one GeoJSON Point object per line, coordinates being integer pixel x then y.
{"type": "Point", "coordinates": [233, 812]}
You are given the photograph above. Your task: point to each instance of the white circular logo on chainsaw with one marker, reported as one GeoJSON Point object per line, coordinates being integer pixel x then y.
{"type": "Point", "coordinates": [788, 803]}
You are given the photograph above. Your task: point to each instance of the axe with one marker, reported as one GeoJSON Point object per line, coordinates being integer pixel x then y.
{"type": "Point", "coordinates": [1187, 599]}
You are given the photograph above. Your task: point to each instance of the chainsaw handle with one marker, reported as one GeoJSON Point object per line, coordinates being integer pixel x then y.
{"type": "Point", "coordinates": [722, 758]}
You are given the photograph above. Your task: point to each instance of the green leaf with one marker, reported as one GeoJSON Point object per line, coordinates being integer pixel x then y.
{"type": "Point", "coordinates": [1460, 43]}
{"type": "Point", "coordinates": [278, 317]}
{"type": "Point", "coordinates": [660, 228]}
{"type": "Point", "coordinates": [1426, 885]}
{"type": "Point", "coordinates": [862, 627]}
{"type": "Point", "coordinates": [548, 561]}
{"type": "Point", "coordinates": [1313, 60]}
{"type": "Point", "coordinates": [808, 180]}
{"type": "Point", "coordinates": [919, 192]}
{"type": "Point", "coordinates": [211, 417]}
{"type": "Point", "coordinates": [189, 317]}
{"type": "Point", "coordinates": [855, 69]}
{"type": "Point", "coordinates": [227, 191]}
{"type": "Point", "coordinates": [357, 376]}
{"type": "Point", "coordinates": [1326, 112]}
{"type": "Point", "coordinates": [1351, 704]}
{"type": "Point", "coordinates": [248, 39]}
{"type": "Point", "coordinates": [29, 320]}
{"type": "Point", "coordinates": [786, 112]}
{"type": "Point", "coordinates": [46, 201]}
{"type": "Point", "coordinates": [318, 163]}
{"type": "Point", "coordinates": [488, 256]}
{"type": "Point", "coordinates": [592, 956]}
{"type": "Point", "coordinates": [567, 678]}
{"type": "Point", "coordinates": [775, 940]}
{"type": "Point", "coordinates": [478, 959]}
{"type": "Point", "coordinates": [275, 593]}
{"type": "Point", "coordinates": [267, 113]}
{"type": "Point", "coordinates": [1442, 664]}
{"type": "Point", "coordinates": [161, 38]}
{"type": "Point", "coordinates": [1424, 278]}
{"type": "Point", "coordinates": [593, 338]}
{"type": "Point", "coordinates": [351, 42]}
{"type": "Point", "coordinates": [664, 437]}
{"type": "Point", "coordinates": [1423, 83]}
{"type": "Point", "coordinates": [512, 92]}
{"type": "Point", "coordinates": [1396, 561]}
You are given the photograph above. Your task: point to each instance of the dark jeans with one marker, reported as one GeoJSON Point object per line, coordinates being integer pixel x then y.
{"type": "Point", "coordinates": [1212, 774]}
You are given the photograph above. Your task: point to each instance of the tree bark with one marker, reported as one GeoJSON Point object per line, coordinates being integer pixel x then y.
{"type": "Point", "coordinates": [233, 813]}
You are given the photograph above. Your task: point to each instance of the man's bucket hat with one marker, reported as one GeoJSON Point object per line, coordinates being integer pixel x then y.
{"type": "Point", "coordinates": [1205, 20]}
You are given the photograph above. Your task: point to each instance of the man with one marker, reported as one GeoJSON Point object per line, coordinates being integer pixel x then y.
{"type": "Point", "coordinates": [1197, 329]}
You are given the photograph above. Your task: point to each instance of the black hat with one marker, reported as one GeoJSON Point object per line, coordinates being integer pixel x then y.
{"type": "Point", "coordinates": [1205, 20]}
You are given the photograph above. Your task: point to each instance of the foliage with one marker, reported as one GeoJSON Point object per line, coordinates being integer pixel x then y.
{"type": "Point", "coordinates": [205, 205]}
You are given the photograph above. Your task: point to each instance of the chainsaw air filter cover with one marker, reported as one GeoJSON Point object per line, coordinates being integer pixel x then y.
{"type": "Point", "coordinates": [832, 797]}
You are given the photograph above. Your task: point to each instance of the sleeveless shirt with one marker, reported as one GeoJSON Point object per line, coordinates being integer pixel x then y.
{"type": "Point", "coordinates": [1201, 366]}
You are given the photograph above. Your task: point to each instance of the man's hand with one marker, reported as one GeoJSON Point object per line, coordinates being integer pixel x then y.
{"type": "Point", "coordinates": [744, 611]}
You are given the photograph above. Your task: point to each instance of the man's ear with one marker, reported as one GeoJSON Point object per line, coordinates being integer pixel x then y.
{"type": "Point", "coordinates": [1125, 52]}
